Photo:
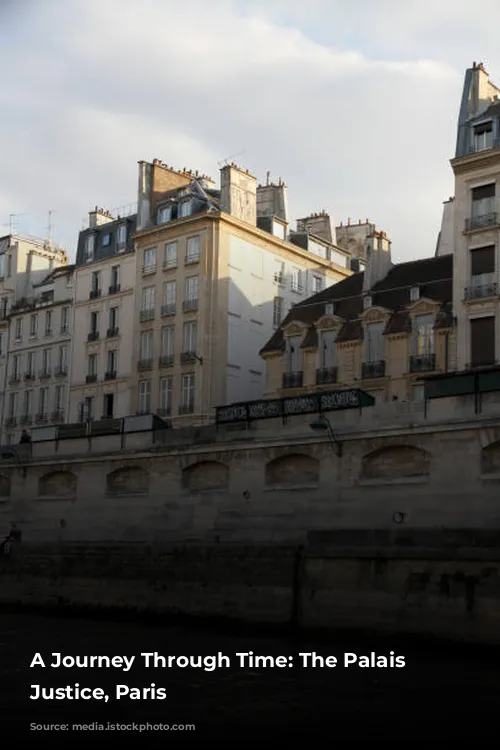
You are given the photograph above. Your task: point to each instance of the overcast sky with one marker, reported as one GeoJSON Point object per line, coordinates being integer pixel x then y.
{"type": "Point", "coordinates": [353, 103]}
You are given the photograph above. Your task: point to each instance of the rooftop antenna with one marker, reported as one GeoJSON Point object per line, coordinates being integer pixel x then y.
{"type": "Point", "coordinates": [12, 221]}
{"type": "Point", "coordinates": [50, 227]}
{"type": "Point", "coordinates": [224, 162]}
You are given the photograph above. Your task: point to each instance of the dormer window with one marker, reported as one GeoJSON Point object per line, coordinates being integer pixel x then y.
{"type": "Point", "coordinates": [164, 214]}
{"type": "Point", "coordinates": [483, 136]}
{"type": "Point", "coordinates": [185, 209]}
{"type": "Point", "coordinates": [106, 240]}
{"type": "Point", "coordinates": [367, 301]}
{"type": "Point", "coordinates": [89, 248]}
{"type": "Point", "coordinates": [121, 238]}
{"type": "Point", "coordinates": [414, 293]}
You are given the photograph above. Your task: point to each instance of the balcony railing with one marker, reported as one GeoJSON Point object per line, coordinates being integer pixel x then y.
{"type": "Point", "coordinates": [61, 371]}
{"type": "Point", "coordinates": [478, 291]}
{"type": "Point", "coordinates": [189, 305]}
{"type": "Point", "coordinates": [57, 415]}
{"type": "Point", "coordinates": [25, 419]}
{"type": "Point", "coordinates": [41, 417]}
{"type": "Point", "coordinates": [93, 336]}
{"type": "Point", "coordinates": [11, 421]}
{"type": "Point", "coordinates": [114, 289]}
{"type": "Point", "coordinates": [373, 369]}
{"type": "Point", "coordinates": [422, 362]}
{"type": "Point", "coordinates": [192, 258]}
{"type": "Point", "coordinates": [145, 364]}
{"type": "Point", "coordinates": [293, 379]}
{"type": "Point", "coordinates": [187, 357]}
{"type": "Point", "coordinates": [149, 269]}
{"type": "Point", "coordinates": [94, 294]}
{"type": "Point", "coordinates": [29, 376]}
{"type": "Point", "coordinates": [166, 360]}
{"type": "Point", "coordinates": [147, 314]}
{"type": "Point", "coordinates": [63, 330]}
{"type": "Point", "coordinates": [168, 264]}
{"type": "Point", "coordinates": [110, 375]}
{"type": "Point", "coordinates": [186, 408]}
{"type": "Point", "coordinates": [91, 378]}
{"type": "Point", "coordinates": [168, 310]}
{"type": "Point", "coordinates": [326, 375]}
{"type": "Point", "coordinates": [44, 373]}
{"type": "Point", "coordinates": [476, 148]}
{"type": "Point", "coordinates": [482, 221]}
{"type": "Point", "coordinates": [112, 332]}
{"type": "Point", "coordinates": [164, 411]}
{"type": "Point", "coordinates": [48, 332]}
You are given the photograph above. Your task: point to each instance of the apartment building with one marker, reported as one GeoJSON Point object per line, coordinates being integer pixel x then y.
{"type": "Point", "coordinates": [24, 262]}
{"type": "Point", "coordinates": [36, 391]}
{"type": "Point", "coordinates": [217, 271]}
{"type": "Point", "coordinates": [382, 330]}
{"type": "Point", "coordinates": [105, 278]}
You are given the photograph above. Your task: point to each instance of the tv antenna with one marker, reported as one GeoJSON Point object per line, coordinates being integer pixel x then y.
{"type": "Point", "coordinates": [225, 162]}
{"type": "Point", "coordinates": [12, 221]}
{"type": "Point", "coordinates": [50, 226]}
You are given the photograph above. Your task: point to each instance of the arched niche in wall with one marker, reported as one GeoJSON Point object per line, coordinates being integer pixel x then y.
{"type": "Point", "coordinates": [128, 480]}
{"type": "Point", "coordinates": [4, 486]}
{"type": "Point", "coordinates": [206, 476]}
{"type": "Point", "coordinates": [395, 462]}
{"type": "Point", "coordinates": [292, 470]}
{"type": "Point", "coordinates": [57, 484]}
{"type": "Point", "coordinates": [490, 458]}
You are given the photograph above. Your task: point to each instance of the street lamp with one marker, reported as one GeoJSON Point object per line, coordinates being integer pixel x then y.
{"type": "Point", "coordinates": [323, 425]}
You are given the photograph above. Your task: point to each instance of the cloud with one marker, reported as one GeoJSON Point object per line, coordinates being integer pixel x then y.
{"type": "Point", "coordinates": [99, 86]}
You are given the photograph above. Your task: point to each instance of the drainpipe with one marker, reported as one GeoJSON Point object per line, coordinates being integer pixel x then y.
{"type": "Point", "coordinates": [213, 282]}
{"type": "Point", "coordinates": [446, 352]}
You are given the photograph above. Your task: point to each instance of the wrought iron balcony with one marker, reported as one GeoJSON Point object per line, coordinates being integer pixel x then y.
{"type": "Point", "coordinates": [48, 332]}
{"type": "Point", "coordinates": [94, 294]}
{"type": "Point", "coordinates": [110, 375]}
{"type": "Point", "coordinates": [147, 314]}
{"type": "Point", "coordinates": [45, 373]}
{"type": "Point", "coordinates": [61, 371]}
{"type": "Point", "coordinates": [166, 360]}
{"type": "Point", "coordinates": [422, 362]}
{"type": "Point", "coordinates": [91, 378]}
{"type": "Point", "coordinates": [168, 264]}
{"type": "Point", "coordinates": [112, 332]}
{"type": "Point", "coordinates": [480, 222]}
{"type": "Point", "coordinates": [188, 357]}
{"type": "Point", "coordinates": [57, 415]}
{"type": "Point", "coordinates": [149, 269]}
{"type": "Point", "coordinates": [190, 305]}
{"type": "Point", "coordinates": [187, 408]}
{"type": "Point", "coordinates": [293, 379]}
{"type": "Point", "coordinates": [168, 310]}
{"type": "Point", "coordinates": [479, 291]}
{"type": "Point", "coordinates": [371, 370]}
{"type": "Point", "coordinates": [326, 375]}
{"type": "Point", "coordinates": [29, 376]}
{"type": "Point", "coordinates": [11, 421]}
{"type": "Point", "coordinates": [192, 258]}
{"type": "Point", "coordinates": [64, 330]}
{"type": "Point", "coordinates": [114, 289]}
{"type": "Point", "coordinates": [41, 417]}
{"type": "Point", "coordinates": [93, 336]}
{"type": "Point", "coordinates": [476, 148]}
{"type": "Point", "coordinates": [145, 364]}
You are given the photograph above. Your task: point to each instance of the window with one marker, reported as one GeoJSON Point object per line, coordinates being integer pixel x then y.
{"type": "Point", "coordinates": [112, 360]}
{"type": "Point", "coordinates": [2, 343]}
{"type": "Point", "coordinates": [166, 394]}
{"type": "Point", "coordinates": [294, 353]}
{"type": "Point", "coordinates": [296, 280]}
{"type": "Point", "coordinates": [190, 335]}
{"type": "Point", "coordinates": [59, 397]}
{"type": "Point", "coordinates": [277, 311]}
{"type": "Point", "coordinates": [191, 289]}
{"type": "Point", "coordinates": [62, 359]}
{"type": "Point", "coordinates": [164, 214]}
{"type": "Point", "coordinates": [16, 366]}
{"type": "Point", "coordinates": [122, 235]}
{"type": "Point", "coordinates": [483, 136]}
{"type": "Point", "coordinates": [12, 404]}
{"type": "Point", "coordinates": [423, 343]}
{"type": "Point", "coordinates": [86, 409]}
{"type": "Point", "coordinates": [146, 345]}
{"type": "Point", "coordinates": [482, 341]}
{"type": "Point", "coordinates": [317, 284]}
{"type": "Point", "coordinates": [19, 329]}
{"type": "Point", "coordinates": [106, 240]}
{"type": "Point", "coordinates": [96, 282]}
{"type": "Point", "coordinates": [367, 301]}
{"type": "Point", "coordinates": [482, 265]}
{"type": "Point", "coordinates": [4, 304]}
{"type": "Point", "coordinates": [94, 322]}
{"type": "Point", "coordinates": [169, 293]}
{"type": "Point", "coordinates": [92, 365]}
{"type": "Point", "coordinates": [150, 259]}
{"type": "Point", "coordinates": [115, 277]}
{"type": "Point", "coordinates": [374, 342]}
{"type": "Point", "coordinates": [414, 293]}
{"type": "Point", "coordinates": [89, 248]}
{"type": "Point", "coordinates": [187, 392]}
{"type": "Point", "coordinates": [483, 200]}
{"type": "Point", "coordinates": [108, 405]}
{"type": "Point", "coordinates": [43, 400]}
{"type": "Point", "coordinates": [185, 209]}
{"type": "Point", "coordinates": [148, 298]}
{"type": "Point", "coordinates": [33, 326]}
{"type": "Point", "coordinates": [113, 318]}
{"type": "Point", "coordinates": [328, 349]}
{"type": "Point", "coordinates": [145, 396]}
{"type": "Point", "coordinates": [170, 255]}
{"type": "Point", "coordinates": [31, 364]}
{"type": "Point", "coordinates": [27, 402]}
{"type": "Point", "coordinates": [279, 273]}
{"type": "Point", "coordinates": [167, 341]}
{"type": "Point", "coordinates": [193, 249]}
{"type": "Point", "coordinates": [64, 319]}
{"type": "Point", "coordinates": [46, 361]}
{"type": "Point", "coordinates": [48, 323]}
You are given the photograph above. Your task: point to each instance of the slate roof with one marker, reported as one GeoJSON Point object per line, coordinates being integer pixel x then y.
{"type": "Point", "coordinates": [433, 276]}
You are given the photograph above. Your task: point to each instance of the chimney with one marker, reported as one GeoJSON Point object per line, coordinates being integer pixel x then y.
{"type": "Point", "coordinates": [318, 224]}
{"type": "Point", "coordinates": [98, 217]}
{"type": "Point", "coordinates": [480, 93]}
{"type": "Point", "coordinates": [238, 190]}
{"type": "Point", "coordinates": [378, 259]}
{"type": "Point", "coordinates": [272, 200]}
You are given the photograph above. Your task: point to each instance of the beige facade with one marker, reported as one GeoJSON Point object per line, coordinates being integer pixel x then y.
{"type": "Point", "coordinates": [211, 287]}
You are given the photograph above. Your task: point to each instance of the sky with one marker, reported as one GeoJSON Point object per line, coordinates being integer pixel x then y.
{"type": "Point", "coordinates": [354, 104]}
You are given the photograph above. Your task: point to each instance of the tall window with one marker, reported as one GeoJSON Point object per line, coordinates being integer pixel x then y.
{"type": "Point", "coordinates": [148, 298]}
{"type": "Point", "coordinates": [122, 235]}
{"type": "Point", "coordinates": [482, 341]}
{"type": "Point", "coordinates": [46, 361]}
{"type": "Point", "coordinates": [112, 361]}
{"type": "Point", "coordinates": [296, 280]}
{"type": "Point", "coordinates": [145, 396]}
{"type": "Point", "coordinates": [96, 282]}
{"type": "Point", "coordinates": [170, 255]}
{"type": "Point", "coordinates": [190, 335]}
{"type": "Point", "coordinates": [482, 265]}
{"type": "Point", "coordinates": [169, 293]}
{"type": "Point", "coordinates": [483, 200]}
{"type": "Point", "coordinates": [164, 214]}
{"type": "Point", "coordinates": [62, 359]}
{"type": "Point", "coordinates": [60, 395]}
{"type": "Point", "coordinates": [374, 342]}
{"type": "Point", "coordinates": [33, 325]}
{"type": "Point", "coordinates": [31, 364]}
{"type": "Point", "coordinates": [12, 404]}
{"type": "Point", "coordinates": [27, 403]}
{"type": "Point", "coordinates": [328, 349]}
{"type": "Point", "coordinates": [277, 311]}
{"type": "Point", "coordinates": [43, 400]}
{"type": "Point", "coordinates": [187, 392]}
{"type": "Point", "coordinates": [115, 277]}
{"type": "Point", "coordinates": [185, 208]}
{"type": "Point", "coordinates": [92, 365]}
{"type": "Point", "coordinates": [89, 248]}
{"type": "Point", "coordinates": [423, 342]}
{"type": "Point", "coordinates": [167, 341]}
{"type": "Point", "coordinates": [19, 329]}
{"type": "Point", "coordinates": [150, 259]}
{"type": "Point", "coordinates": [294, 353]}
{"type": "Point", "coordinates": [193, 249]}
{"type": "Point", "coordinates": [317, 284]}
{"type": "Point", "coordinates": [64, 319]}
{"type": "Point", "coordinates": [146, 345]}
{"type": "Point", "coordinates": [94, 322]}
{"type": "Point", "coordinates": [16, 366]}
{"type": "Point", "coordinates": [483, 136]}
{"type": "Point", "coordinates": [113, 318]}
{"type": "Point", "coordinates": [166, 394]}
{"type": "Point", "coordinates": [48, 323]}
{"type": "Point", "coordinates": [192, 288]}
